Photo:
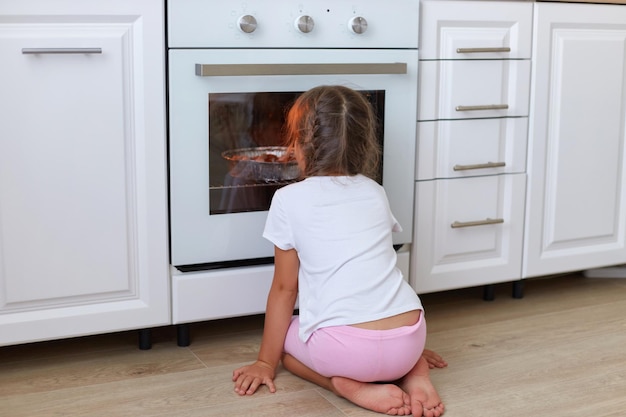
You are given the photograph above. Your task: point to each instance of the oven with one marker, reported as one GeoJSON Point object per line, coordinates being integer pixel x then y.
{"type": "Point", "coordinates": [234, 68]}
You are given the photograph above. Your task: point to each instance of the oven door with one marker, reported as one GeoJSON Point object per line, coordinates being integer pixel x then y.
{"type": "Point", "coordinates": [217, 99]}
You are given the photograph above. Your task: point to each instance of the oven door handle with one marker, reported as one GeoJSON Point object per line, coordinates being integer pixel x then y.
{"type": "Point", "coordinates": [235, 70]}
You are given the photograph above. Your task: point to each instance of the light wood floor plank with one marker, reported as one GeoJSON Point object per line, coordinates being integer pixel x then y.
{"type": "Point", "coordinates": [307, 403]}
{"type": "Point", "coordinates": [94, 368]}
{"type": "Point", "coordinates": [559, 351]}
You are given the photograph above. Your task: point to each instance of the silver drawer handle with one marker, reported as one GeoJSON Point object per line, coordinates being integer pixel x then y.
{"type": "Point", "coordinates": [456, 225]}
{"type": "Point", "coordinates": [479, 50]}
{"type": "Point", "coordinates": [479, 166]}
{"type": "Point", "coordinates": [483, 107]}
{"type": "Point", "coordinates": [41, 51]}
{"type": "Point", "coordinates": [217, 70]}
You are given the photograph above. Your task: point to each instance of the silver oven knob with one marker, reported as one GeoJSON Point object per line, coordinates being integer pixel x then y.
{"type": "Point", "coordinates": [358, 24]}
{"type": "Point", "coordinates": [247, 23]}
{"type": "Point", "coordinates": [305, 24]}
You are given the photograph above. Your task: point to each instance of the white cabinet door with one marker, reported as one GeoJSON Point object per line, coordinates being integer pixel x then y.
{"type": "Point", "coordinates": [83, 213]}
{"type": "Point", "coordinates": [576, 201]}
{"type": "Point", "coordinates": [468, 232]}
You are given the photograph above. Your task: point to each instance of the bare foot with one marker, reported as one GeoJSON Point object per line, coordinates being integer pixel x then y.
{"type": "Point", "coordinates": [382, 398]}
{"type": "Point", "coordinates": [434, 359]}
{"type": "Point", "coordinates": [425, 400]}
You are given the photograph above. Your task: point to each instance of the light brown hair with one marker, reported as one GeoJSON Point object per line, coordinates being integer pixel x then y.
{"type": "Point", "coordinates": [334, 128]}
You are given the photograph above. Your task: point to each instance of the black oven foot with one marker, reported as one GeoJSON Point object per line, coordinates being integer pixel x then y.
{"type": "Point", "coordinates": [518, 289]}
{"type": "Point", "coordinates": [145, 339]}
{"type": "Point", "coordinates": [183, 335]}
{"type": "Point", "coordinates": [489, 292]}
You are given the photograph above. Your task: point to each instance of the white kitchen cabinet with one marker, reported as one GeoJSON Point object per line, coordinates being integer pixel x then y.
{"type": "Point", "coordinates": [462, 148]}
{"type": "Point", "coordinates": [472, 135]}
{"type": "Point", "coordinates": [469, 232]}
{"type": "Point", "coordinates": [465, 89]}
{"type": "Point", "coordinates": [576, 204]}
{"type": "Point", "coordinates": [475, 29]}
{"type": "Point", "coordinates": [83, 199]}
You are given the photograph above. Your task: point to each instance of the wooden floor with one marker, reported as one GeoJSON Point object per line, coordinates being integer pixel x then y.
{"type": "Point", "coordinates": [559, 351]}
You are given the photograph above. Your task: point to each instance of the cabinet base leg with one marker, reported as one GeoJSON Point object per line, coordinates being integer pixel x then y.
{"type": "Point", "coordinates": [183, 335]}
{"type": "Point", "coordinates": [489, 292]}
{"type": "Point", "coordinates": [145, 339]}
{"type": "Point", "coordinates": [518, 289]}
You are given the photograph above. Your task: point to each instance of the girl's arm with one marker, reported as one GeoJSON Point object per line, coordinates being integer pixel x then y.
{"type": "Point", "coordinates": [280, 305]}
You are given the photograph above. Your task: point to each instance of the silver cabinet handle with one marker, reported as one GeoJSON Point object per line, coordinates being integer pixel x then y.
{"type": "Point", "coordinates": [479, 166]}
{"type": "Point", "coordinates": [217, 70]}
{"type": "Point", "coordinates": [456, 225]}
{"type": "Point", "coordinates": [482, 107]}
{"type": "Point", "coordinates": [479, 50]}
{"type": "Point", "coordinates": [41, 51]}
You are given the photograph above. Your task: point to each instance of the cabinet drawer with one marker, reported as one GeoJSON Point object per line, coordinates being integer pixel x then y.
{"type": "Point", "coordinates": [468, 232]}
{"type": "Point", "coordinates": [475, 30]}
{"type": "Point", "coordinates": [464, 148]}
{"type": "Point", "coordinates": [473, 89]}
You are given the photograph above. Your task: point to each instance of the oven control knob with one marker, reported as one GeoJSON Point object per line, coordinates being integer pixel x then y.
{"type": "Point", "coordinates": [247, 23]}
{"type": "Point", "coordinates": [358, 25]}
{"type": "Point", "coordinates": [305, 24]}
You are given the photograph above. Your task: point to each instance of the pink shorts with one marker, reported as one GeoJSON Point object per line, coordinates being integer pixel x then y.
{"type": "Point", "coordinates": [360, 354]}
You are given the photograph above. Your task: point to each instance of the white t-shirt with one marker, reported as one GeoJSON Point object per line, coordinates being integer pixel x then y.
{"type": "Point", "coordinates": [341, 228]}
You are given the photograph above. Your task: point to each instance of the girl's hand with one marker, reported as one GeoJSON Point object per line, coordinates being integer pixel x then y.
{"type": "Point", "coordinates": [248, 378]}
{"type": "Point", "coordinates": [434, 360]}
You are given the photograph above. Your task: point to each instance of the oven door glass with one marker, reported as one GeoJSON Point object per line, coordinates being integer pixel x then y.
{"type": "Point", "coordinates": [248, 156]}
{"type": "Point", "coordinates": [227, 154]}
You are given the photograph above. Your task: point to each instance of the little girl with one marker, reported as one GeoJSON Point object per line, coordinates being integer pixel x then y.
{"type": "Point", "coordinates": [361, 330]}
